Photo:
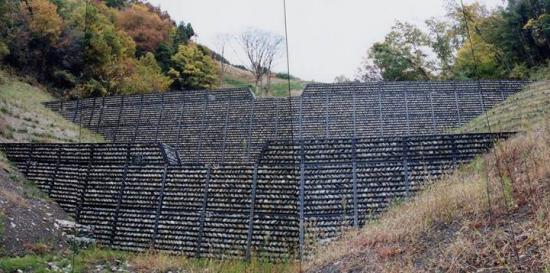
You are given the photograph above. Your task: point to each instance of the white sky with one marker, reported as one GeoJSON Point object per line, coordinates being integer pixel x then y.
{"type": "Point", "coordinates": [327, 38]}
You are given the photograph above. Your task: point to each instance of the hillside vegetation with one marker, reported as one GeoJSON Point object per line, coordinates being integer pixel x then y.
{"type": "Point", "coordinates": [236, 77]}
{"type": "Point", "coordinates": [492, 215]}
{"type": "Point", "coordinates": [471, 41]}
{"type": "Point", "coordinates": [23, 118]}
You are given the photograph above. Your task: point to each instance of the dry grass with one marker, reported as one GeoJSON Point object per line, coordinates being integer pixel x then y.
{"type": "Point", "coordinates": [156, 262]}
{"type": "Point", "coordinates": [464, 222]}
{"type": "Point", "coordinates": [492, 215]}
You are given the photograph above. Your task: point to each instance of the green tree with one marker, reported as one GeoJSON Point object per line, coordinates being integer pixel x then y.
{"type": "Point", "coordinates": [146, 76]}
{"type": "Point", "coordinates": [401, 56]}
{"type": "Point", "coordinates": [192, 69]}
{"type": "Point", "coordinates": [444, 43]}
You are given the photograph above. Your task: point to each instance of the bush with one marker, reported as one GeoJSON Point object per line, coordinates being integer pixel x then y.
{"type": "Point", "coordinates": [92, 88]}
{"type": "Point", "coordinates": [4, 50]}
{"type": "Point", "coordinates": [285, 76]}
{"type": "Point", "coordinates": [146, 77]}
{"type": "Point", "coordinates": [541, 73]}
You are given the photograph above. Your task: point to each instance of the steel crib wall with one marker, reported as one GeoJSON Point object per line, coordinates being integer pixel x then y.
{"type": "Point", "coordinates": [139, 196]}
{"type": "Point", "coordinates": [230, 126]}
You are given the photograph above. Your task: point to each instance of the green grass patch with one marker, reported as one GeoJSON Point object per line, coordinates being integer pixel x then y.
{"type": "Point", "coordinates": [29, 263]}
{"type": "Point", "coordinates": [281, 89]}
{"type": "Point", "coordinates": [87, 259]}
{"type": "Point", "coordinates": [230, 82]}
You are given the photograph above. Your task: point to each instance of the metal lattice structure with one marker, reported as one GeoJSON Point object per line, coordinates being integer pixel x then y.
{"type": "Point", "coordinates": [231, 125]}
{"type": "Point", "coordinates": [138, 196]}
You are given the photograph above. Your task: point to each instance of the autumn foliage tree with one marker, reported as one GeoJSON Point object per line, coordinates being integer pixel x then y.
{"type": "Point", "coordinates": [146, 28]}
{"type": "Point", "coordinates": [192, 68]}
{"type": "Point", "coordinates": [97, 48]}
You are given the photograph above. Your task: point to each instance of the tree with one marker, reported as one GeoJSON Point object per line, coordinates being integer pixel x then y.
{"type": "Point", "coordinates": [146, 76]}
{"type": "Point", "coordinates": [401, 56]}
{"type": "Point", "coordinates": [261, 48]}
{"type": "Point", "coordinates": [146, 28]}
{"type": "Point", "coordinates": [42, 18]}
{"type": "Point", "coordinates": [192, 68]}
{"type": "Point", "coordinates": [444, 43]}
{"type": "Point", "coordinates": [183, 34]}
{"type": "Point", "coordinates": [341, 79]}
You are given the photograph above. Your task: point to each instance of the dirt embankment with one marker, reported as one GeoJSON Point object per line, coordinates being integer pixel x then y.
{"type": "Point", "coordinates": [28, 219]}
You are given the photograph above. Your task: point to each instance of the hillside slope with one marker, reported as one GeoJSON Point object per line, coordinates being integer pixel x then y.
{"type": "Point", "coordinates": [235, 77]}
{"type": "Point", "coordinates": [492, 215]}
{"type": "Point", "coordinates": [23, 118]}
{"type": "Point", "coordinates": [27, 217]}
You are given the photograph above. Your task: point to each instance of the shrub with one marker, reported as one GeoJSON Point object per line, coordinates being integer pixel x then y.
{"type": "Point", "coordinates": [4, 50]}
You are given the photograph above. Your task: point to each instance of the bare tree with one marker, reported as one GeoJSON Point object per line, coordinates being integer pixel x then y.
{"type": "Point", "coordinates": [221, 41]}
{"type": "Point", "coordinates": [261, 48]}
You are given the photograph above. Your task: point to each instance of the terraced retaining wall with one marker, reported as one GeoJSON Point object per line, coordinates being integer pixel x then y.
{"type": "Point", "coordinates": [138, 196]}
{"type": "Point", "coordinates": [231, 125]}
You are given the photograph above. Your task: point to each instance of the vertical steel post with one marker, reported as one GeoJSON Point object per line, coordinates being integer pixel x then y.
{"type": "Point", "coordinates": [380, 125]}
{"type": "Point", "coordinates": [301, 198]}
{"type": "Point", "coordinates": [159, 205]}
{"type": "Point", "coordinates": [120, 194]}
{"type": "Point", "coordinates": [203, 125]}
{"type": "Point", "coordinates": [251, 216]}
{"type": "Point", "coordinates": [300, 117]}
{"type": "Point", "coordinates": [180, 122]}
{"type": "Point", "coordinates": [120, 111]}
{"type": "Point", "coordinates": [54, 176]}
{"type": "Point", "coordinates": [459, 117]}
{"type": "Point", "coordinates": [92, 114]}
{"type": "Point", "coordinates": [406, 166]}
{"type": "Point", "coordinates": [203, 214]}
{"type": "Point", "coordinates": [100, 120]}
{"type": "Point", "coordinates": [434, 130]}
{"type": "Point", "coordinates": [407, 116]}
{"type": "Point", "coordinates": [225, 129]}
{"type": "Point", "coordinates": [29, 160]}
{"type": "Point", "coordinates": [354, 181]}
{"type": "Point", "coordinates": [277, 110]}
{"type": "Point", "coordinates": [327, 115]}
{"type": "Point", "coordinates": [481, 99]}
{"type": "Point", "coordinates": [250, 128]}
{"type": "Point", "coordinates": [354, 108]}
{"type": "Point", "coordinates": [455, 163]}
{"type": "Point", "coordinates": [501, 91]}
{"type": "Point", "coordinates": [161, 114]}
{"type": "Point", "coordinates": [86, 183]}
{"type": "Point", "coordinates": [136, 129]}
{"type": "Point", "coordinates": [77, 110]}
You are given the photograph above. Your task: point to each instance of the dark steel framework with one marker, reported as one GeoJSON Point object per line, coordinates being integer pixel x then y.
{"type": "Point", "coordinates": [231, 126]}
{"type": "Point", "coordinates": [138, 196]}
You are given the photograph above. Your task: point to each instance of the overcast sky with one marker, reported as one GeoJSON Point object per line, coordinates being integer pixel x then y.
{"type": "Point", "coordinates": [327, 38]}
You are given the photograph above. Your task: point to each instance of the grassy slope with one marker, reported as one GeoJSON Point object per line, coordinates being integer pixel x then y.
{"type": "Point", "coordinates": [520, 112]}
{"type": "Point", "coordinates": [237, 78]}
{"type": "Point", "coordinates": [492, 215]}
{"type": "Point", "coordinates": [23, 118]}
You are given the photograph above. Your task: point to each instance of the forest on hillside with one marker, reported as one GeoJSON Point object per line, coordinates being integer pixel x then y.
{"type": "Point", "coordinates": [96, 48]}
{"type": "Point", "coordinates": [83, 48]}
{"type": "Point", "coordinates": [471, 42]}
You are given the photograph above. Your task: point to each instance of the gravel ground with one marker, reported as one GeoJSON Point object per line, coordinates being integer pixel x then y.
{"type": "Point", "coordinates": [28, 219]}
